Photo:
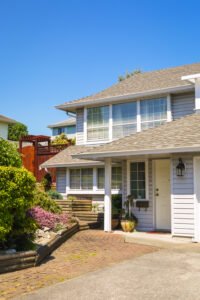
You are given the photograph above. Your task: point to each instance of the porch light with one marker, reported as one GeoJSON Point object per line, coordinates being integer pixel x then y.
{"type": "Point", "coordinates": [180, 168]}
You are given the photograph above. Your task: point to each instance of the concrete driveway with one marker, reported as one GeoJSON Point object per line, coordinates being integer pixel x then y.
{"type": "Point", "coordinates": [166, 274]}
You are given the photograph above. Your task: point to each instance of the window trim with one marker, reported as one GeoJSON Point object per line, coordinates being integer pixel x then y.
{"type": "Point", "coordinates": [138, 117]}
{"type": "Point", "coordinates": [80, 187]}
{"type": "Point", "coordinates": [146, 161]}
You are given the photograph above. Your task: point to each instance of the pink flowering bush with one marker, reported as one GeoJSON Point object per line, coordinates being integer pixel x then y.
{"type": "Point", "coordinates": [47, 219]}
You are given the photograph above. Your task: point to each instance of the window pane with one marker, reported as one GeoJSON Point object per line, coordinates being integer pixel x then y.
{"type": "Point", "coordinates": [117, 178]}
{"type": "Point", "coordinates": [100, 178]}
{"type": "Point", "coordinates": [137, 178]}
{"type": "Point", "coordinates": [153, 112]}
{"type": "Point", "coordinates": [97, 123]}
{"type": "Point", "coordinates": [75, 182]}
{"type": "Point", "coordinates": [124, 119]}
{"type": "Point", "coordinates": [86, 179]}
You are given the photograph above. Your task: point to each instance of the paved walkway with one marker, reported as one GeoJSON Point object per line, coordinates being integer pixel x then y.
{"type": "Point", "coordinates": [169, 274]}
{"type": "Point", "coordinates": [86, 251]}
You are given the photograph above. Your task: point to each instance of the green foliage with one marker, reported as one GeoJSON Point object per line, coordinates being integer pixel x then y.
{"type": "Point", "coordinates": [54, 195]}
{"type": "Point", "coordinates": [47, 182]}
{"type": "Point", "coordinates": [9, 156]}
{"type": "Point", "coordinates": [16, 197]}
{"type": "Point", "coordinates": [16, 131]}
{"type": "Point", "coordinates": [129, 74]}
{"type": "Point", "coordinates": [44, 201]}
{"type": "Point", "coordinates": [61, 139]}
{"type": "Point", "coordinates": [116, 204]}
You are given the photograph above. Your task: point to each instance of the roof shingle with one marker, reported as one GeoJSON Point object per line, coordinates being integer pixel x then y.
{"type": "Point", "coordinates": [141, 83]}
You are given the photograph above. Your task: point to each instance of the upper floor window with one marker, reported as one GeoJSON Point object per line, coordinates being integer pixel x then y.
{"type": "Point", "coordinates": [98, 123]}
{"type": "Point", "coordinates": [124, 119]}
{"type": "Point", "coordinates": [153, 112]}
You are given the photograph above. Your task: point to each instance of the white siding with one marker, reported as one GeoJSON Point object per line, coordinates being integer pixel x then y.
{"type": "Point", "coordinates": [182, 105]}
{"type": "Point", "coordinates": [61, 180]}
{"type": "Point", "coordinates": [80, 127]}
{"type": "Point", "coordinates": [183, 200]}
{"type": "Point", "coordinates": [145, 217]}
{"type": "Point", "coordinates": [4, 131]}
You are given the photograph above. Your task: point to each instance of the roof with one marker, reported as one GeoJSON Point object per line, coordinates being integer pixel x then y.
{"type": "Point", "coordinates": [179, 136]}
{"type": "Point", "coordinates": [138, 85]}
{"type": "Point", "coordinates": [4, 119]}
{"type": "Point", "coordinates": [64, 158]}
{"type": "Point", "coordinates": [68, 122]}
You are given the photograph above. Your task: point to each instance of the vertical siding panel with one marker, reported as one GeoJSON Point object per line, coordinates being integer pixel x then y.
{"type": "Point", "coordinates": [80, 127]}
{"type": "Point", "coordinates": [182, 105]}
{"type": "Point", "coordinates": [183, 200]}
{"type": "Point", "coordinates": [61, 180]}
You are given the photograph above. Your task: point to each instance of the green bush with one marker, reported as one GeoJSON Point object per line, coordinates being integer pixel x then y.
{"type": "Point", "coordinates": [16, 131]}
{"type": "Point", "coordinates": [17, 187]}
{"type": "Point", "coordinates": [9, 156]}
{"type": "Point", "coordinates": [44, 201]}
{"type": "Point", "coordinates": [55, 195]}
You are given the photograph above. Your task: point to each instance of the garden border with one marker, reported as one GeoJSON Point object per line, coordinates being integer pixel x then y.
{"type": "Point", "coordinates": [28, 259]}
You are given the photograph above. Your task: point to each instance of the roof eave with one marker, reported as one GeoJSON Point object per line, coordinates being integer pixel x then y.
{"type": "Point", "coordinates": [65, 165]}
{"type": "Point", "coordinates": [74, 105]}
{"type": "Point", "coordinates": [100, 155]}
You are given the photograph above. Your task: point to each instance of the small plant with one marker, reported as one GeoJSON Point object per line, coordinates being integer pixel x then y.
{"type": "Point", "coordinates": [47, 182]}
{"type": "Point", "coordinates": [54, 195]}
{"type": "Point", "coordinates": [43, 200]}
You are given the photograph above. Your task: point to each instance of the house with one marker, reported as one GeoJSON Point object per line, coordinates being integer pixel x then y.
{"type": "Point", "coordinates": [140, 137]}
{"type": "Point", "coordinates": [68, 127]}
{"type": "Point", "coordinates": [4, 122]}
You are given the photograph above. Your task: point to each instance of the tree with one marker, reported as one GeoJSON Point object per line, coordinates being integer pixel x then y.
{"type": "Point", "coordinates": [9, 156]}
{"type": "Point", "coordinates": [129, 74]}
{"type": "Point", "coordinates": [16, 131]}
{"type": "Point", "coordinates": [62, 139]}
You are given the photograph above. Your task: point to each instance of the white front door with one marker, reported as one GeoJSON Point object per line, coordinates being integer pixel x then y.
{"type": "Point", "coordinates": [162, 194]}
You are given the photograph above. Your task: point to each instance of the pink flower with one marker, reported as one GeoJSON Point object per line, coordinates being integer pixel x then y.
{"type": "Point", "coordinates": [47, 219]}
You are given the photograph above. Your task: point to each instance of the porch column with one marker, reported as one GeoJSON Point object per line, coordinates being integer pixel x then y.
{"type": "Point", "coordinates": [107, 196]}
{"type": "Point", "coordinates": [197, 95]}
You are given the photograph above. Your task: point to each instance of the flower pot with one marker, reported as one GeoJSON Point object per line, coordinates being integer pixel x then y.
{"type": "Point", "coordinates": [128, 225]}
{"type": "Point", "coordinates": [115, 223]}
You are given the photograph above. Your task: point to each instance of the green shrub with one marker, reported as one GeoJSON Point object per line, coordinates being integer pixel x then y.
{"type": "Point", "coordinates": [16, 197]}
{"type": "Point", "coordinates": [54, 195]}
{"type": "Point", "coordinates": [44, 201]}
{"type": "Point", "coordinates": [9, 156]}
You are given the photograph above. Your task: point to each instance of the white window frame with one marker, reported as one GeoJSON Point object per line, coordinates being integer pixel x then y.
{"type": "Point", "coordinates": [146, 161]}
{"type": "Point", "coordinates": [80, 188]}
{"type": "Point", "coordinates": [94, 190]}
{"type": "Point", "coordinates": [138, 119]}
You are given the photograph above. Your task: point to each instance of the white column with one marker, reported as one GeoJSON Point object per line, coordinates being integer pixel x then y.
{"type": "Point", "coordinates": [169, 110]}
{"type": "Point", "coordinates": [197, 94]}
{"type": "Point", "coordinates": [138, 117]}
{"type": "Point", "coordinates": [196, 200]}
{"type": "Point", "coordinates": [67, 181]}
{"type": "Point", "coordinates": [107, 196]}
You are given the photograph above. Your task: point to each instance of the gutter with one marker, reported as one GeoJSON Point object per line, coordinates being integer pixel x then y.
{"type": "Point", "coordinates": [134, 153]}
{"type": "Point", "coordinates": [74, 104]}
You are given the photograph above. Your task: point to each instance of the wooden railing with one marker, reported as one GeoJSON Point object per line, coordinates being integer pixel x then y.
{"type": "Point", "coordinates": [52, 149]}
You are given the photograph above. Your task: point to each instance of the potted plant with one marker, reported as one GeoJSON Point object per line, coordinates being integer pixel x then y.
{"type": "Point", "coordinates": [129, 220]}
{"type": "Point", "coordinates": [116, 210]}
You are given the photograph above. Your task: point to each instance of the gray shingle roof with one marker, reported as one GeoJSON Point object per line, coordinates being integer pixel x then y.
{"type": "Point", "coordinates": [71, 121]}
{"type": "Point", "coordinates": [182, 135]}
{"type": "Point", "coordinates": [64, 158]}
{"type": "Point", "coordinates": [7, 120]}
{"type": "Point", "coordinates": [155, 81]}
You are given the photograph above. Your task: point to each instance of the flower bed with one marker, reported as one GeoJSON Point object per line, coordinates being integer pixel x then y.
{"type": "Point", "coordinates": [28, 259]}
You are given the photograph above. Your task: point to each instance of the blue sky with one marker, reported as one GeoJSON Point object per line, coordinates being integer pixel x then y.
{"type": "Point", "coordinates": [52, 51]}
